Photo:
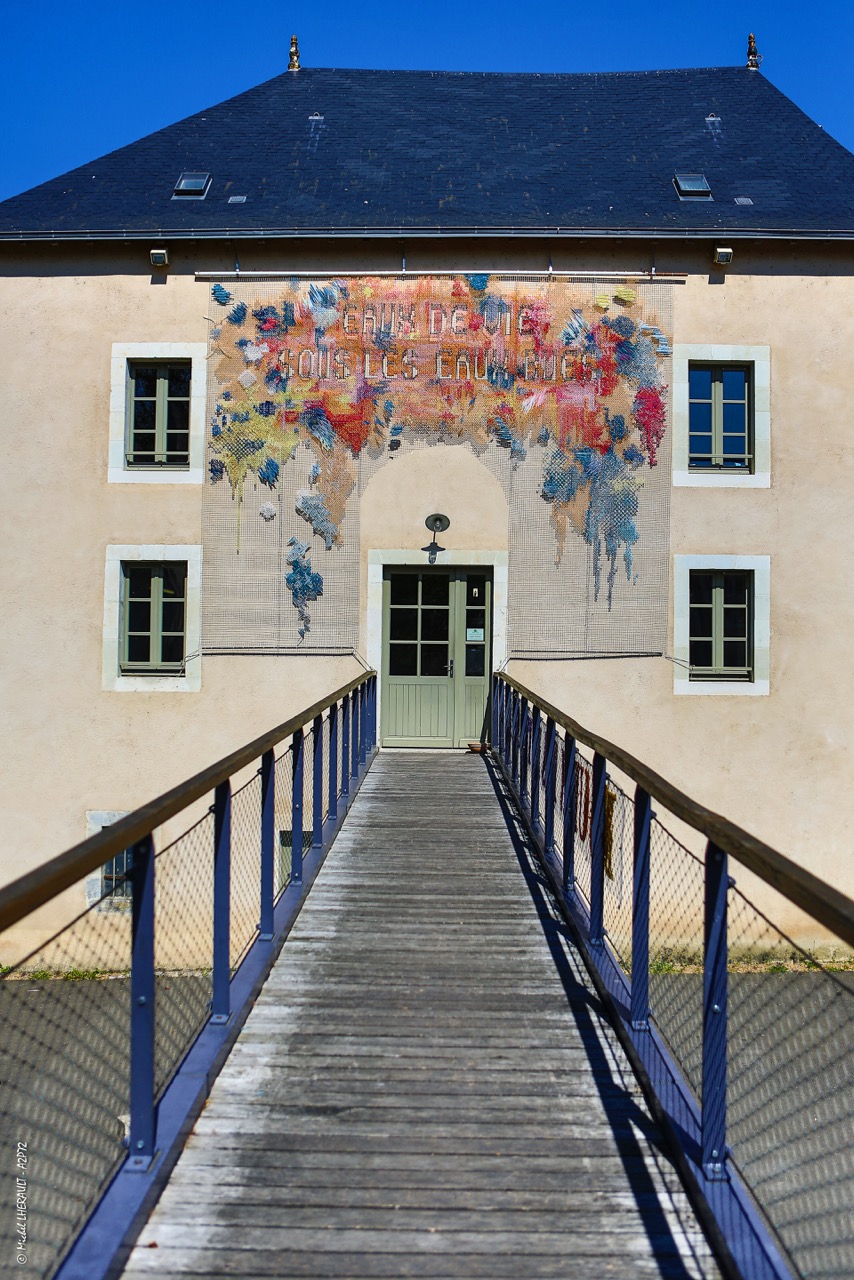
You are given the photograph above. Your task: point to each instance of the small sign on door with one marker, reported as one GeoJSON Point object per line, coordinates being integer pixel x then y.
{"type": "Point", "coordinates": [474, 633]}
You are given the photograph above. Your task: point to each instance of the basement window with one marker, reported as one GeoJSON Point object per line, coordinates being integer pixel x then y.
{"type": "Point", "coordinates": [192, 186]}
{"type": "Point", "coordinates": [692, 186]}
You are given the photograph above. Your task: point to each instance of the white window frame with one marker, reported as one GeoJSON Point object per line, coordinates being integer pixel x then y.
{"type": "Point", "coordinates": [685, 354]}
{"type": "Point", "coordinates": [118, 472]}
{"type": "Point", "coordinates": [759, 686]}
{"type": "Point", "coordinates": [111, 675]}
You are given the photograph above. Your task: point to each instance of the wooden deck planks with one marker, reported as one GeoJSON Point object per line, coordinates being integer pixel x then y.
{"type": "Point", "coordinates": [426, 1086]}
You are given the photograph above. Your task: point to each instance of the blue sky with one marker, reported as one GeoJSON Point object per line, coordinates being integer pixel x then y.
{"type": "Point", "coordinates": [81, 80]}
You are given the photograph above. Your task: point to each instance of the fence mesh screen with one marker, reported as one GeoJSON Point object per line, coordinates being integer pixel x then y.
{"type": "Point", "coordinates": [245, 868]}
{"type": "Point", "coordinates": [676, 949]}
{"type": "Point", "coordinates": [558, 385]}
{"type": "Point", "coordinates": [791, 1089]}
{"type": "Point", "coordinates": [64, 1090]}
{"type": "Point", "coordinates": [183, 932]}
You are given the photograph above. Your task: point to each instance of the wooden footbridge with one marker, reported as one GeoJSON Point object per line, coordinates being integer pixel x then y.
{"type": "Point", "coordinates": [416, 1014]}
{"type": "Point", "coordinates": [427, 1085]}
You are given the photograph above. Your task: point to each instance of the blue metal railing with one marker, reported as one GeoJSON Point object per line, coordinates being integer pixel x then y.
{"type": "Point", "coordinates": [119, 1019]}
{"type": "Point", "coordinates": [742, 1041]}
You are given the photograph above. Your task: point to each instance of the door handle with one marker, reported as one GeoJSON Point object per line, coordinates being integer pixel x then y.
{"type": "Point", "coordinates": [450, 668]}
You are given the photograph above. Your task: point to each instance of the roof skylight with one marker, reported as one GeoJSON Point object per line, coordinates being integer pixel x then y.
{"type": "Point", "coordinates": [192, 186]}
{"type": "Point", "coordinates": [692, 186]}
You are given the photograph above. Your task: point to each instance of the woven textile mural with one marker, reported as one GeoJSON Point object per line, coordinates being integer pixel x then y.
{"type": "Point", "coordinates": [558, 385]}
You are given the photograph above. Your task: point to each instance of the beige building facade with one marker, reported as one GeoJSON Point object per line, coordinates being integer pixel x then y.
{"type": "Point", "coordinates": [85, 737]}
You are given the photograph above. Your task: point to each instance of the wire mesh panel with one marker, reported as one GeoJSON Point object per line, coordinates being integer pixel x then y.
{"type": "Point", "coordinates": [64, 1091]}
{"type": "Point", "coordinates": [582, 800]}
{"type": "Point", "coordinates": [777, 1100]}
{"type": "Point", "coordinates": [618, 835]}
{"type": "Point", "coordinates": [183, 945]}
{"type": "Point", "coordinates": [791, 1090]}
{"type": "Point", "coordinates": [245, 868]}
{"type": "Point", "coordinates": [305, 794]}
{"type": "Point", "coordinates": [284, 823]}
{"type": "Point", "coordinates": [324, 771]}
{"type": "Point", "coordinates": [676, 949]}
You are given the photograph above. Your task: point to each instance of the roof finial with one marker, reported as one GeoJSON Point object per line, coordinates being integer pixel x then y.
{"type": "Point", "coordinates": [753, 58]}
{"type": "Point", "coordinates": [293, 65]}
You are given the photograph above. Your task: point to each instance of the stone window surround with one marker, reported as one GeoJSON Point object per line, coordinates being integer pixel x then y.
{"type": "Point", "coordinates": [111, 677]}
{"type": "Point", "coordinates": [717, 353]}
{"type": "Point", "coordinates": [118, 472]}
{"type": "Point", "coordinates": [760, 566]}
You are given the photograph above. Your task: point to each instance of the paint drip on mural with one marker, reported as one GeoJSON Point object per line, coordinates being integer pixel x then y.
{"type": "Point", "coordinates": [558, 386]}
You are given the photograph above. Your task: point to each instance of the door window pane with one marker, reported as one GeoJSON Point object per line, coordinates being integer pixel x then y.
{"type": "Point", "coordinates": [434, 588]}
{"type": "Point", "coordinates": [404, 588]}
{"type": "Point", "coordinates": [434, 624]}
{"type": "Point", "coordinates": [476, 589]}
{"type": "Point", "coordinates": [434, 659]}
{"type": "Point", "coordinates": [404, 624]}
{"type": "Point", "coordinates": [403, 660]}
{"type": "Point", "coordinates": [475, 659]}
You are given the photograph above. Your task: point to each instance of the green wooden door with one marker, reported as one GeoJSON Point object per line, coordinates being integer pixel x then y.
{"type": "Point", "coordinates": [436, 656]}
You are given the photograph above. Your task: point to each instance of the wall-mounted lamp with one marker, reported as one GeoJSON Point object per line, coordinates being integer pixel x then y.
{"type": "Point", "coordinates": [723, 257]}
{"type": "Point", "coordinates": [437, 523]}
{"type": "Point", "coordinates": [159, 258]}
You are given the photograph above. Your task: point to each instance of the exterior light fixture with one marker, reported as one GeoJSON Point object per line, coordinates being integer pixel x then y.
{"type": "Point", "coordinates": [723, 257]}
{"type": "Point", "coordinates": [159, 258]}
{"type": "Point", "coordinates": [437, 523]}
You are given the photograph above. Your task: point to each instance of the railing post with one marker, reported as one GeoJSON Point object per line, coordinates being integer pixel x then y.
{"type": "Point", "coordinates": [317, 783]}
{"type": "Point", "coordinates": [514, 738]}
{"type": "Point", "coordinates": [501, 692]}
{"type": "Point", "coordinates": [597, 852]}
{"type": "Point", "coordinates": [374, 713]}
{"type": "Point", "coordinates": [640, 912]}
{"type": "Point", "coordinates": [354, 733]}
{"type": "Point", "coordinates": [549, 783]}
{"type": "Point", "coordinates": [570, 815]}
{"type": "Point", "coordinates": [493, 717]}
{"type": "Point", "coordinates": [524, 761]}
{"type": "Point", "coordinates": [363, 723]}
{"type": "Point", "coordinates": [298, 764]}
{"type": "Point", "coordinates": [345, 748]}
{"type": "Point", "coordinates": [142, 989]}
{"type": "Point", "coordinates": [333, 761]}
{"type": "Point", "coordinates": [536, 732]}
{"type": "Point", "coordinates": [715, 1014]}
{"type": "Point", "coordinates": [509, 712]}
{"type": "Point", "coordinates": [220, 1003]}
{"type": "Point", "coordinates": [268, 842]}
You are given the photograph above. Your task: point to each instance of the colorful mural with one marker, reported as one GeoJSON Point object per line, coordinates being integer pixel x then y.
{"type": "Point", "coordinates": [529, 366]}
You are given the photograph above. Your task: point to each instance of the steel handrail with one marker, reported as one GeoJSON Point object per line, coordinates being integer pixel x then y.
{"type": "Point", "coordinates": [37, 887]}
{"type": "Point", "coordinates": [828, 905]}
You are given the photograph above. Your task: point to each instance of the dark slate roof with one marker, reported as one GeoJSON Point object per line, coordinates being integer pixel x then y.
{"type": "Point", "coordinates": [325, 152]}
